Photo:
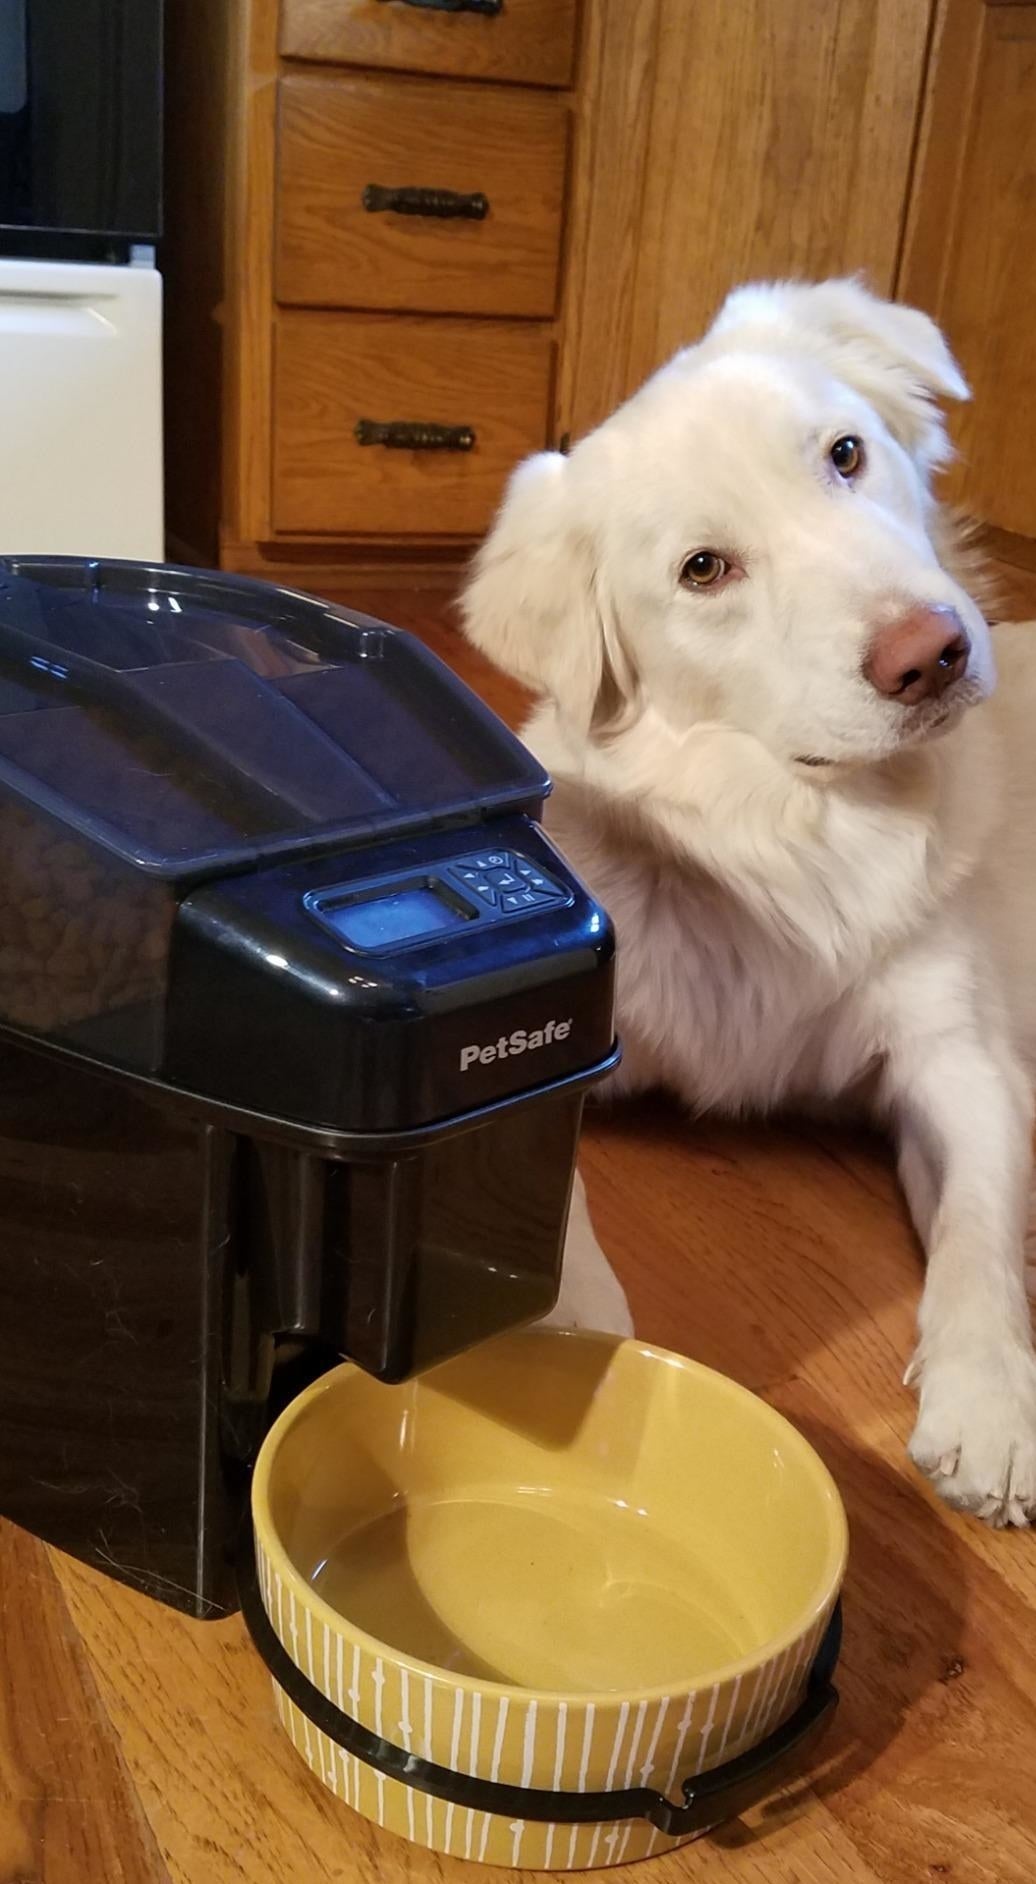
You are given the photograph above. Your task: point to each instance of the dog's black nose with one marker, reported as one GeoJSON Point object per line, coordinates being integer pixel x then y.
{"type": "Point", "coordinates": [917, 657]}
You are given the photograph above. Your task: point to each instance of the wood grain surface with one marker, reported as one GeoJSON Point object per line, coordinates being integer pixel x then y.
{"type": "Point", "coordinates": [137, 1747]}
{"type": "Point", "coordinates": [970, 256]}
{"type": "Point", "coordinates": [528, 41]}
{"type": "Point", "coordinates": [720, 143]}
{"type": "Point", "coordinates": [337, 135]}
{"type": "Point", "coordinates": [248, 192]}
{"type": "Point", "coordinates": [333, 369]}
{"type": "Point", "coordinates": [613, 105]}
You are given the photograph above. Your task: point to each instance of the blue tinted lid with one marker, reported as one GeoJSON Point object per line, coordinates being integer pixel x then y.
{"type": "Point", "coordinates": [194, 722]}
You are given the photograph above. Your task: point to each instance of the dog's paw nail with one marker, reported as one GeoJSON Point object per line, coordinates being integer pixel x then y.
{"type": "Point", "coordinates": [976, 1438]}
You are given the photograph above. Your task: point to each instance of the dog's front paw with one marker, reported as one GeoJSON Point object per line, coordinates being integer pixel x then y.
{"type": "Point", "coordinates": [975, 1436]}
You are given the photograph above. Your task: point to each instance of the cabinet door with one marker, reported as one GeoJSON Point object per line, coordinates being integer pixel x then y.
{"type": "Point", "coordinates": [530, 41]}
{"type": "Point", "coordinates": [345, 144]}
{"type": "Point", "coordinates": [335, 475]}
{"type": "Point", "coordinates": [970, 255]}
{"type": "Point", "coordinates": [722, 142]}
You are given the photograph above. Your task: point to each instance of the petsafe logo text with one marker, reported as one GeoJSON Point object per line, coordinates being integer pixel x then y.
{"type": "Point", "coordinates": [522, 1040]}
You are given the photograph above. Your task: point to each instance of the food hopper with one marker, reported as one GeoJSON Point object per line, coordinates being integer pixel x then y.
{"type": "Point", "coordinates": [298, 1009]}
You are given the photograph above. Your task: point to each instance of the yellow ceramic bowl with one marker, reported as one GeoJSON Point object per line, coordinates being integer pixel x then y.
{"type": "Point", "coordinates": [561, 1562]}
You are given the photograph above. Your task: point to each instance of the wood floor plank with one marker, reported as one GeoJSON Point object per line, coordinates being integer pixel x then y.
{"type": "Point", "coordinates": [69, 1812]}
{"type": "Point", "coordinates": [137, 1747]}
{"type": "Point", "coordinates": [227, 1797]}
{"type": "Point", "coordinates": [229, 1800]}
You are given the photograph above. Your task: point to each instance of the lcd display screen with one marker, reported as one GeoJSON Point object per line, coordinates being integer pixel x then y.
{"type": "Point", "coordinates": [402, 916]}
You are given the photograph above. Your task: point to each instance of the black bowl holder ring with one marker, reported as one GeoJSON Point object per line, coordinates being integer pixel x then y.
{"type": "Point", "coordinates": [708, 1798]}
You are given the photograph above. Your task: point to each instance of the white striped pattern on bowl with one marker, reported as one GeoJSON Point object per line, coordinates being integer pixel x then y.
{"type": "Point", "coordinates": [586, 1746]}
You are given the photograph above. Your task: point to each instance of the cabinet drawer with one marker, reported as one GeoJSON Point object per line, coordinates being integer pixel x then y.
{"type": "Point", "coordinates": [334, 370]}
{"type": "Point", "coordinates": [531, 41]}
{"type": "Point", "coordinates": [339, 245]}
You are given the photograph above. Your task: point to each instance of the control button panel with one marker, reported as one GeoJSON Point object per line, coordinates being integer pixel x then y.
{"type": "Point", "coordinates": [386, 914]}
{"type": "Point", "coordinates": [502, 880]}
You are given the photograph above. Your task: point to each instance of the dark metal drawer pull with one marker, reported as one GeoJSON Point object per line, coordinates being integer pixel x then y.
{"type": "Point", "coordinates": [411, 435]}
{"type": "Point", "coordinates": [411, 200]}
{"type": "Point", "coordinates": [489, 8]}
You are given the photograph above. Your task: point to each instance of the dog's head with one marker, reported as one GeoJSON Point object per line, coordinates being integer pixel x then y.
{"type": "Point", "coordinates": [750, 540]}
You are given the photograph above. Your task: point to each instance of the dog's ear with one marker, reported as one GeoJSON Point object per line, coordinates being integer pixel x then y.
{"type": "Point", "coordinates": [533, 603]}
{"type": "Point", "coordinates": [895, 356]}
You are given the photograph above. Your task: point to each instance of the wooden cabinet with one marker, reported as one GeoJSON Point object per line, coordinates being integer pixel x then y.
{"type": "Point", "coordinates": [492, 223]}
{"type": "Point", "coordinates": [363, 273]}
{"type": "Point", "coordinates": [527, 42]}
{"type": "Point", "coordinates": [970, 255]}
{"type": "Point", "coordinates": [357, 158]}
{"type": "Point", "coordinates": [722, 142]}
{"type": "Point", "coordinates": [719, 142]}
{"type": "Point", "coordinates": [340, 377]}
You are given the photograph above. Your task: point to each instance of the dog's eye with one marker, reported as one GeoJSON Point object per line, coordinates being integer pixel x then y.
{"type": "Point", "coordinates": [847, 456]}
{"type": "Point", "coordinates": [703, 569]}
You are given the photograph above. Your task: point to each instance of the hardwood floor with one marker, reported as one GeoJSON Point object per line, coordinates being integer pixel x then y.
{"type": "Point", "coordinates": [139, 1748]}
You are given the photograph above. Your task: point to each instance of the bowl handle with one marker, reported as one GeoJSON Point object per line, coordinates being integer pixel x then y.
{"type": "Point", "coordinates": [708, 1798]}
{"type": "Point", "coordinates": [728, 1790]}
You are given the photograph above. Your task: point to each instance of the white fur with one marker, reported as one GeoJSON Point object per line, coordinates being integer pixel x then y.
{"type": "Point", "coordinates": [863, 928]}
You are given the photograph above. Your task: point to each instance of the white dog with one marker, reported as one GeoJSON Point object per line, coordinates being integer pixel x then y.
{"type": "Point", "coordinates": [762, 681]}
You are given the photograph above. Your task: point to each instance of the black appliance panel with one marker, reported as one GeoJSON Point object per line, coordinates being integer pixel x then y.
{"type": "Point", "coordinates": [298, 1009]}
{"type": "Point", "coordinates": [80, 119]}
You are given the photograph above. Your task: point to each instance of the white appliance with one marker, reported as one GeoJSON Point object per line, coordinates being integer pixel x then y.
{"type": "Point", "coordinates": [81, 408]}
